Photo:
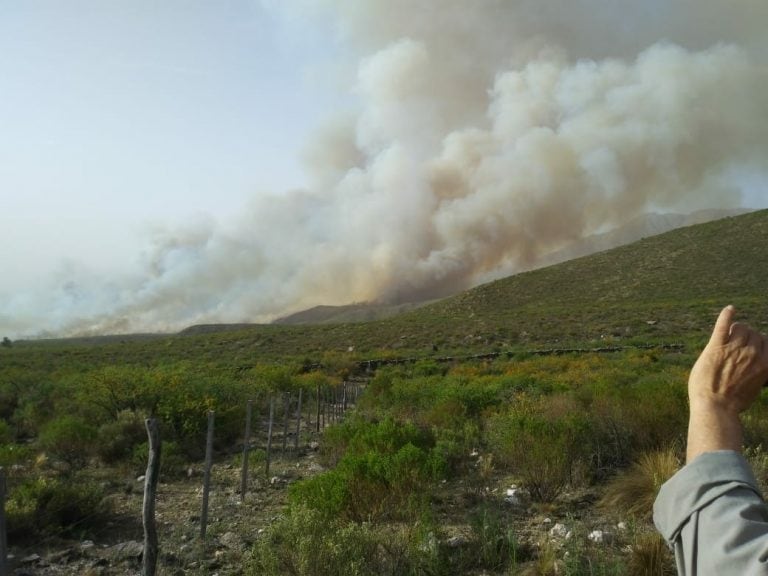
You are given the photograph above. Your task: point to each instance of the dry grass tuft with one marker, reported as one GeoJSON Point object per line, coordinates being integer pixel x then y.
{"type": "Point", "coordinates": [651, 557]}
{"type": "Point", "coordinates": [633, 492]}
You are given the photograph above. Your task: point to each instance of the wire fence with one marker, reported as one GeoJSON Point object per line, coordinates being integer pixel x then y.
{"type": "Point", "coordinates": [282, 425]}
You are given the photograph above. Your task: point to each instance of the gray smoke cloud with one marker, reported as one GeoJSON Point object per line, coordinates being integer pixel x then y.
{"type": "Point", "coordinates": [488, 134]}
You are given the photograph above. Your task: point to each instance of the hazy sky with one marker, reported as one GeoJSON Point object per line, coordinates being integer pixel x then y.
{"type": "Point", "coordinates": [166, 163]}
{"type": "Point", "coordinates": [120, 116]}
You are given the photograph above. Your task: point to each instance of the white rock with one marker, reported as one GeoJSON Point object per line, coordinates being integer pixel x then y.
{"type": "Point", "coordinates": [140, 479]}
{"type": "Point", "coordinates": [621, 525]}
{"type": "Point", "coordinates": [597, 536]}
{"type": "Point", "coordinates": [547, 521]}
{"type": "Point", "coordinates": [559, 531]}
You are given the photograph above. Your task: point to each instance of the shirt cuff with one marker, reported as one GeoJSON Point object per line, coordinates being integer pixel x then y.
{"type": "Point", "coordinates": [698, 483]}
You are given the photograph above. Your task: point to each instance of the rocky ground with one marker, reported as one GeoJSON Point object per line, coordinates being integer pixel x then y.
{"type": "Point", "coordinates": [233, 524]}
{"type": "Point", "coordinates": [572, 523]}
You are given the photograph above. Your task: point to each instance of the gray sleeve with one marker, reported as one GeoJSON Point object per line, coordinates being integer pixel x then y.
{"type": "Point", "coordinates": [713, 515]}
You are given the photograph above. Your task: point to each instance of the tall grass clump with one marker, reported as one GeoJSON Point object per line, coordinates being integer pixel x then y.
{"type": "Point", "coordinates": [304, 543]}
{"type": "Point", "coordinates": [632, 492]}
{"type": "Point", "coordinates": [650, 556]}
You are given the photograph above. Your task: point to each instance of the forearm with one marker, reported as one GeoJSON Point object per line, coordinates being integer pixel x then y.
{"type": "Point", "coordinates": [712, 428]}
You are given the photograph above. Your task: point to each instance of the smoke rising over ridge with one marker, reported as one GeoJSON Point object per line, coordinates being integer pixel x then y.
{"type": "Point", "coordinates": [487, 135]}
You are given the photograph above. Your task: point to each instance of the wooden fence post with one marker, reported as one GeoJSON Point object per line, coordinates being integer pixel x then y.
{"type": "Point", "coordinates": [207, 476]}
{"type": "Point", "coordinates": [298, 424]}
{"type": "Point", "coordinates": [286, 410]}
{"type": "Point", "coordinates": [149, 557]}
{"type": "Point", "coordinates": [246, 450]}
{"type": "Point", "coordinates": [3, 530]}
{"type": "Point", "coordinates": [269, 433]}
{"type": "Point", "coordinates": [317, 410]}
{"type": "Point", "coordinates": [344, 397]}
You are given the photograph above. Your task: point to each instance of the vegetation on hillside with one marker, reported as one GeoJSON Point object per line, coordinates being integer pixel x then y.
{"type": "Point", "coordinates": [416, 481]}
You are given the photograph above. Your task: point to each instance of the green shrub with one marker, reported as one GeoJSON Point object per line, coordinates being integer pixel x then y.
{"type": "Point", "coordinates": [544, 442]}
{"type": "Point", "coordinates": [385, 471]}
{"type": "Point", "coordinates": [11, 454]}
{"type": "Point", "coordinates": [6, 433]}
{"type": "Point", "coordinates": [56, 507]}
{"type": "Point", "coordinates": [172, 461]}
{"type": "Point", "coordinates": [117, 439]}
{"type": "Point", "coordinates": [70, 439]}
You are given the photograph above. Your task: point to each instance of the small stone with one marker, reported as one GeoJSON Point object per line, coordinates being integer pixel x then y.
{"type": "Point", "coordinates": [140, 478]}
{"type": "Point", "coordinates": [85, 544]}
{"type": "Point", "coordinates": [621, 525]}
{"type": "Point", "coordinates": [559, 531]}
{"type": "Point", "coordinates": [597, 536]}
{"type": "Point", "coordinates": [31, 559]}
{"type": "Point", "coordinates": [456, 541]}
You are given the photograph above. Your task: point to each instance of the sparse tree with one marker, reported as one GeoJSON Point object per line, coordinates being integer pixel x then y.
{"type": "Point", "coordinates": [6, 342]}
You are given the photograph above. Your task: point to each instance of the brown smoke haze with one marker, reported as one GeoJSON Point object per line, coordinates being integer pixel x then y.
{"type": "Point", "coordinates": [487, 135]}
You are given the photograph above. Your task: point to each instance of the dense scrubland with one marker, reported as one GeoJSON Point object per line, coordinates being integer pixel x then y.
{"type": "Point", "coordinates": [542, 457]}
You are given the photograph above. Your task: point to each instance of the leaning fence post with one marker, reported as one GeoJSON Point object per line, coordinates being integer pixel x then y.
{"type": "Point", "coordinates": [317, 410]}
{"type": "Point", "coordinates": [207, 476]}
{"type": "Point", "coordinates": [269, 433]}
{"type": "Point", "coordinates": [149, 557]}
{"type": "Point", "coordinates": [246, 449]}
{"type": "Point", "coordinates": [298, 423]}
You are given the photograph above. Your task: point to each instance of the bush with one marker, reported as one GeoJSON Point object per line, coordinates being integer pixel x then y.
{"type": "Point", "coordinates": [383, 471]}
{"type": "Point", "coordinates": [543, 442]}
{"type": "Point", "coordinates": [70, 439]}
{"type": "Point", "coordinates": [6, 433]}
{"type": "Point", "coordinates": [117, 439]}
{"type": "Point", "coordinates": [55, 507]}
{"type": "Point", "coordinates": [172, 461]}
{"type": "Point", "coordinates": [11, 454]}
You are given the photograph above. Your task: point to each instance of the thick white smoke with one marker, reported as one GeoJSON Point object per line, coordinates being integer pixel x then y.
{"type": "Point", "coordinates": [488, 134]}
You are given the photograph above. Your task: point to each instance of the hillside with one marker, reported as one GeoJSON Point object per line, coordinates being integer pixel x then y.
{"type": "Point", "coordinates": [664, 288]}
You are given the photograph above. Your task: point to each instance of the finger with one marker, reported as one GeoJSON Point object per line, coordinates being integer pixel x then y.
{"type": "Point", "coordinates": [722, 330]}
{"type": "Point", "coordinates": [740, 334]}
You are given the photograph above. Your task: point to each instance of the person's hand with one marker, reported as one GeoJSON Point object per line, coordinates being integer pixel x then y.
{"type": "Point", "coordinates": [724, 381]}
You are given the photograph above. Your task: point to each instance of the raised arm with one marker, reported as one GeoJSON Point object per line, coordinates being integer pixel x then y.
{"type": "Point", "coordinates": [712, 511]}
{"type": "Point", "coordinates": [725, 380]}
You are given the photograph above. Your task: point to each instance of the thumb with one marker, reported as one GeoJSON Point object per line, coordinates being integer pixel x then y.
{"type": "Point", "coordinates": [722, 329]}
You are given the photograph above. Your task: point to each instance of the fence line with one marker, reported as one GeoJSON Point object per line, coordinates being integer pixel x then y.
{"type": "Point", "coordinates": [328, 404]}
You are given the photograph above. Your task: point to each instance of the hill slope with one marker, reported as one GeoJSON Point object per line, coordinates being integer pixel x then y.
{"type": "Point", "coordinates": [665, 288]}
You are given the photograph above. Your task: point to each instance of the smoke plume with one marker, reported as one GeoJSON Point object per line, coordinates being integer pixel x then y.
{"type": "Point", "coordinates": [488, 134]}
